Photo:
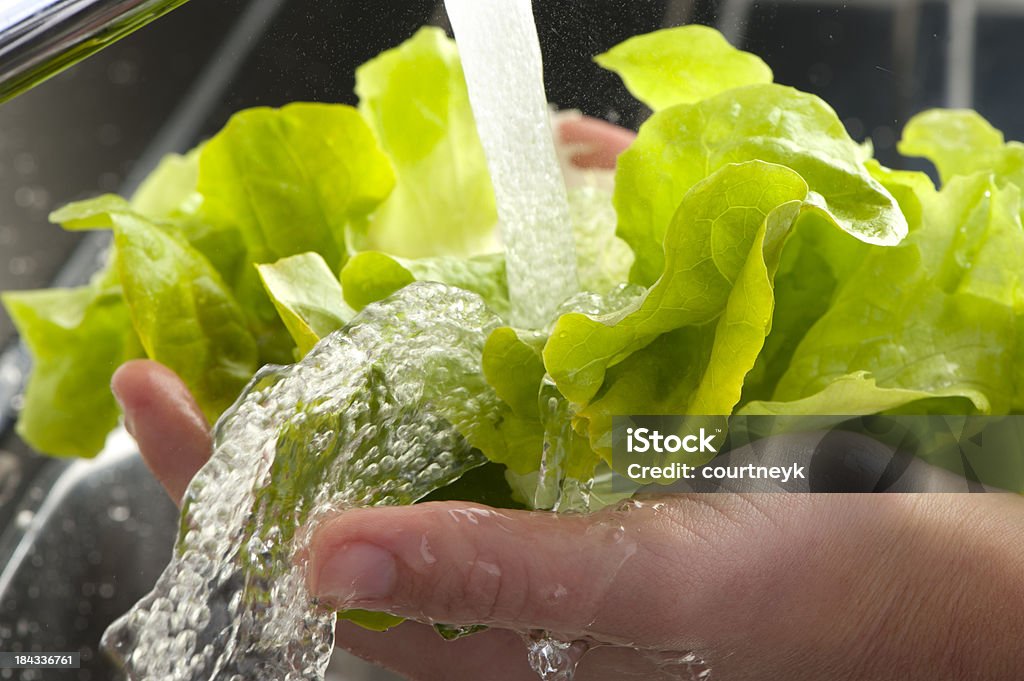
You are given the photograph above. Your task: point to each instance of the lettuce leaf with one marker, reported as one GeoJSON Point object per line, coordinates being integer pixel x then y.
{"type": "Point", "coordinates": [371, 276]}
{"type": "Point", "coordinates": [938, 315]}
{"type": "Point", "coordinates": [961, 142]}
{"type": "Point", "coordinates": [680, 146]}
{"type": "Point", "coordinates": [183, 312]}
{"type": "Point", "coordinates": [293, 180]}
{"type": "Point", "coordinates": [687, 346]}
{"type": "Point", "coordinates": [682, 65]}
{"type": "Point", "coordinates": [307, 296]}
{"type": "Point", "coordinates": [414, 97]}
{"type": "Point", "coordinates": [77, 337]}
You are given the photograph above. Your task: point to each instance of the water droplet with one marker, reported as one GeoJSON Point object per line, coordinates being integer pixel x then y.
{"type": "Point", "coordinates": [425, 552]}
{"type": "Point", "coordinates": [123, 72]}
{"type": "Point", "coordinates": [450, 633]}
{"type": "Point", "coordinates": [119, 514]}
{"type": "Point", "coordinates": [552, 658]}
{"type": "Point", "coordinates": [23, 519]}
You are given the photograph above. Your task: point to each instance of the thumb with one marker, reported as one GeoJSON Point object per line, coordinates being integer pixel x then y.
{"type": "Point", "coordinates": [460, 563]}
{"type": "Point", "coordinates": [610, 575]}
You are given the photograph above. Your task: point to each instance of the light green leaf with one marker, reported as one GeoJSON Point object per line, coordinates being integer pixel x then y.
{"type": "Point", "coordinates": [961, 142]}
{"type": "Point", "coordinates": [707, 250]}
{"type": "Point", "coordinates": [858, 394]}
{"type": "Point", "coordinates": [374, 621]}
{"type": "Point", "coordinates": [307, 296]}
{"type": "Point", "coordinates": [939, 314]}
{"type": "Point", "coordinates": [682, 65]}
{"type": "Point", "coordinates": [90, 214]}
{"type": "Point", "coordinates": [181, 310]}
{"type": "Point", "coordinates": [680, 146]}
{"type": "Point", "coordinates": [371, 276]}
{"type": "Point", "coordinates": [415, 99]}
{"type": "Point", "coordinates": [293, 180]}
{"type": "Point", "coordinates": [77, 338]}
{"type": "Point", "coordinates": [513, 366]}
{"type": "Point", "coordinates": [169, 192]}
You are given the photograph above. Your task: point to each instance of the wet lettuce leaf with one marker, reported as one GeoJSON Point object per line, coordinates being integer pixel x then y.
{"type": "Point", "coordinates": [687, 346]}
{"type": "Point", "coordinates": [414, 97]}
{"type": "Point", "coordinates": [939, 314]}
{"type": "Point", "coordinates": [682, 65]}
{"type": "Point", "coordinates": [307, 296]}
{"type": "Point", "coordinates": [78, 337]}
{"type": "Point", "coordinates": [961, 142]}
{"type": "Point", "coordinates": [370, 276]}
{"type": "Point", "coordinates": [183, 312]}
{"type": "Point", "coordinates": [753, 258]}
{"type": "Point", "coordinates": [294, 179]}
{"type": "Point", "coordinates": [681, 145]}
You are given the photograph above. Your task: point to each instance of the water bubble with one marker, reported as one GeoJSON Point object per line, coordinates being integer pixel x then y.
{"type": "Point", "coordinates": [552, 658]}
{"type": "Point", "coordinates": [119, 514]}
{"type": "Point", "coordinates": [123, 72]}
{"type": "Point", "coordinates": [450, 633]}
{"type": "Point", "coordinates": [23, 519]}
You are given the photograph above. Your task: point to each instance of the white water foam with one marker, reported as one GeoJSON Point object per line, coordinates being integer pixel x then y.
{"type": "Point", "coordinates": [501, 58]}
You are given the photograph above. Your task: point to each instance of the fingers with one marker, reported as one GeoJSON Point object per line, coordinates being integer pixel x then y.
{"type": "Point", "coordinates": [719, 574]}
{"type": "Point", "coordinates": [611, 575]}
{"type": "Point", "coordinates": [168, 426]}
{"type": "Point", "coordinates": [599, 142]}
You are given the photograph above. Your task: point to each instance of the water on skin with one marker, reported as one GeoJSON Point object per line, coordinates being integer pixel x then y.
{"type": "Point", "coordinates": [502, 61]}
{"type": "Point", "coordinates": [365, 419]}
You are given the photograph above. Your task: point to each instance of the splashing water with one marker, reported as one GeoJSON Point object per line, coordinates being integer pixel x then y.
{"type": "Point", "coordinates": [553, 658]}
{"type": "Point", "coordinates": [501, 58]}
{"type": "Point", "coordinates": [372, 416]}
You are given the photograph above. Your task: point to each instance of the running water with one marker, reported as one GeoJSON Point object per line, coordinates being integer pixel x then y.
{"type": "Point", "coordinates": [372, 416]}
{"type": "Point", "coordinates": [501, 58]}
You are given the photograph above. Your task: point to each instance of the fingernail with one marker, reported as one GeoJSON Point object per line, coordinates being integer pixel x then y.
{"type": "Point", "coordinates": [356, 574]}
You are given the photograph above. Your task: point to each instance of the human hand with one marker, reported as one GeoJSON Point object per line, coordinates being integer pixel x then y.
{"type": "Point", "coordinates": [763, 587]}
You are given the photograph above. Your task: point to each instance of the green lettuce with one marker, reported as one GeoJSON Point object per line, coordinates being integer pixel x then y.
{"type": "Point", "coordinates": [183, 312]}
{"type": "Point", "coordinates": [752, 259]}
{"type": "Point", "coordinates": [415, 99]}
{"type": "Point", "coordinates": [78, 337]}
{"type": "Point", "coordinates": [682, 65]}
{"type": "Point", "coordinates": [307, 297]}
{"type": "Point", "coordinates": [961, 142]}
{"type": "Point", "coordinates": [681, 145]}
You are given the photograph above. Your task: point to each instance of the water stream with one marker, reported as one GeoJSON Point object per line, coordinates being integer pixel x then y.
{"type": "Point", "coordinates": [501, 58]}
{"type": "Point", "coordinates": [372, 416]}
